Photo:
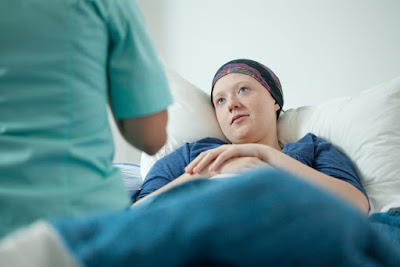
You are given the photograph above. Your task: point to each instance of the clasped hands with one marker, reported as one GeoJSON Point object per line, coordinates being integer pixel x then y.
{"type": "Point", "coordinates": [230, 158]}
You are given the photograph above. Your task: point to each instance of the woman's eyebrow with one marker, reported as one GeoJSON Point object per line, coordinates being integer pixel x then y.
{"type": "Point", "coordinates": [232, 88]}
{"type": "Point", "coordinates": [241, 84]}
{"type": "Point", "coordinates": [217, 95]}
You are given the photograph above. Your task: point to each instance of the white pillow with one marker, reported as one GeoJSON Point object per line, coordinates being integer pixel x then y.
{"type": "Point", "coordinates": [190, 118]}
{"type": "Point", "coordinates": [365, 128]}
{"type": "Point", "coordinates": [131, 175]}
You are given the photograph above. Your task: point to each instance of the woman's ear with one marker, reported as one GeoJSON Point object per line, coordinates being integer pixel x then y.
{"type": "Point", "coordinates": [276, 106]}
{"type": "Point", "coordinates": [277, 109]}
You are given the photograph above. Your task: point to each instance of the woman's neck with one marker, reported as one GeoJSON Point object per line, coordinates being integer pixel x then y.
{"type": "Point", "coordinates": [271, 141]}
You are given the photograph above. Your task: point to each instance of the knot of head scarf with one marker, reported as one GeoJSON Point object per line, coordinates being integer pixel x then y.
{"type": "Point", "coordinates": [258, 71]}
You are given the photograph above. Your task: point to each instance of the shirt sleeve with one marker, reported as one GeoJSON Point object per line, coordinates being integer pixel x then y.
{"type": "Point", "coordinates": [332, 162]}
{"type": "Point", "coordinates": [137, 82]}
{"type": "Point", "coordinates": [322, 156]}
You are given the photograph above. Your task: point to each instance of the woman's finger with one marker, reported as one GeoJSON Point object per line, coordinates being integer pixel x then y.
{"type": "Point", "coordinates": [192, 167]}
{"type": "Point", "coordinates": [203, 159]}
{"type": "Point", "coordinates": [234, 151]}
{"type": "Point", "coordinates": [228, 154]}
{"type": "Point", "coordinates": [207, 159]}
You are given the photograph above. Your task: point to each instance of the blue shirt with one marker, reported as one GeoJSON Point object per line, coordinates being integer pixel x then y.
{"type": "Point", "coordinates": [60, 63]}
{"type": "Point", "coordinates": [310, 150]}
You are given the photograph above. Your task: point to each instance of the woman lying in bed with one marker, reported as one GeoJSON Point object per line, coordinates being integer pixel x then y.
{"type": "Point", "coordinates": [247, 97]}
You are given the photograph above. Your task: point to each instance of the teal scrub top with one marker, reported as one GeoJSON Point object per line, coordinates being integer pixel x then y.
{"type": "Point", "coordinates": [61, 61]}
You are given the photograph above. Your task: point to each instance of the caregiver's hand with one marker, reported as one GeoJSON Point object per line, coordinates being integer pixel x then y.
{"type": "Point", "coordinates": [216, 157]}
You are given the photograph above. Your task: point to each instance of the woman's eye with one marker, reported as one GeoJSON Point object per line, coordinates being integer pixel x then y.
{"type": "Point", "coordinates": [243, 89]}
{"type": "Point", "coordinates": [220, 101]}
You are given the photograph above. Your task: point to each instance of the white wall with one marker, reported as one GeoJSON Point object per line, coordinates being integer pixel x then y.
{"type": "Point", "coordinates": [319, 49]}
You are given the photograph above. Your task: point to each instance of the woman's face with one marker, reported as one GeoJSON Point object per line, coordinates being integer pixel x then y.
{"type": "Point", "coordinates": [246, 111]}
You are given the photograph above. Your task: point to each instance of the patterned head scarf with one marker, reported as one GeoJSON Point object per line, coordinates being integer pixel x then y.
{"type": "Point", "coordinates": [258, 71]}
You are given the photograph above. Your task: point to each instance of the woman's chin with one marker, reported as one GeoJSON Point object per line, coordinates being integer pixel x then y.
{"type": "Point", "coordinates": [240, 139]}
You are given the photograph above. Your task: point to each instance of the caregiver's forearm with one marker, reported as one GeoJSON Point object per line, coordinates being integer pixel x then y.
{"type": "Point", "coordinates": [147, 133]}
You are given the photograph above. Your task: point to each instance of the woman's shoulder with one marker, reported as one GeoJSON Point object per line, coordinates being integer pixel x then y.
{"type": "Point", "coordinates": [312, 139]}
{"type": "Point", "coordinates": [186, 151]}
{"type": "Point", "coordinates": [209, 140]}
{"type": "Point", "coordinates": [204, 144]}
{"type": "Point", "coordinates": [309, 140]}
{"type": "Point", "coordinates": [307, 147]}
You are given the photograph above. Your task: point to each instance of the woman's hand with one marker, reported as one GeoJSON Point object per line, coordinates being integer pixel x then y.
{"type": "Point", "coordinates": [234, 165]}
{"type": "Point", "coordinates": [216, 157]}
{"type": "Point", "coordinates": [240, 164]}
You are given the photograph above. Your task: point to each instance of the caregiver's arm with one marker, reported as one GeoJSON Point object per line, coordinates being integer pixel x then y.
{"type": "Point", "coordinates": [146, 133]}
{"type": "Point", "coordinates": [213, 158]}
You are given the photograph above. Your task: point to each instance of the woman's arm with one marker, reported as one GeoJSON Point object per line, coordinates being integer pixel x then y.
{"type": "Point", "coordinates": [234, 165]}
{"type": "Point", "coordinates": [180, 180]}
{"type": "Point", "coordinates": [212, 159]}
{"type": "Point", "coordinates": [338, 187]}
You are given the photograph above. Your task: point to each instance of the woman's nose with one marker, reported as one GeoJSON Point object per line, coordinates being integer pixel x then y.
{"type": "Point", "coordinates": [233, 104]}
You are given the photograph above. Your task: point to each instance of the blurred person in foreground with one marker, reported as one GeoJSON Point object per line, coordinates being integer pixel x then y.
{"type": "Point", "coordinates": [61, 63]}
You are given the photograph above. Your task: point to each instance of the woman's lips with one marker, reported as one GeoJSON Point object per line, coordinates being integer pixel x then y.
{"type": "Point", "coordinates": [238, 118]}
